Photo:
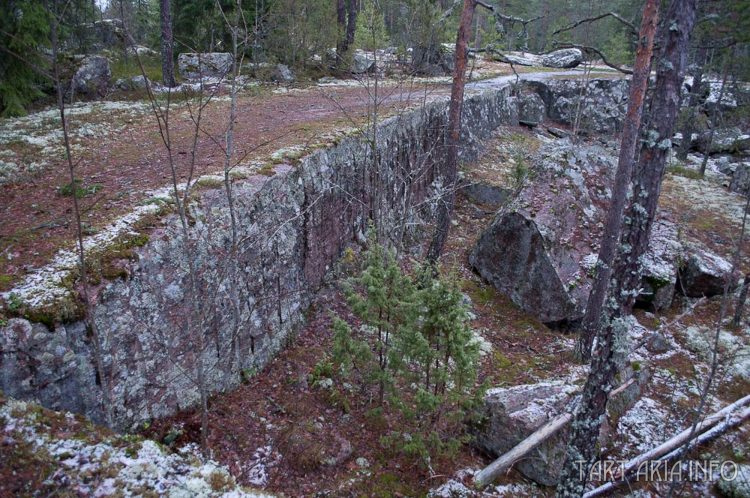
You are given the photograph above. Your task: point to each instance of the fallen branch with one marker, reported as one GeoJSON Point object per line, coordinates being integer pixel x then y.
{"type": "Point", "coordinates": [711, 427]}
{"type": "Point", "coordinates": [493, 470]}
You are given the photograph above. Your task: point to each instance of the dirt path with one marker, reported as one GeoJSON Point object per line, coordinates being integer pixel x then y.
{"type": "Point", "coordinates": [120, 156]}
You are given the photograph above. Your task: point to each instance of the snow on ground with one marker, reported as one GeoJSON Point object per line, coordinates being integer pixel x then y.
{"type": "Point", "coordinates": [116, 465]}
{"type": "Point", "coordinates": [31, 143]}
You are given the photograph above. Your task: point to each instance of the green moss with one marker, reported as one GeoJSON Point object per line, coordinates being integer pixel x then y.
{"type": "Point", "coordinates": [267, 170]}
{"type": "Point", "coordinates": [680, 170]}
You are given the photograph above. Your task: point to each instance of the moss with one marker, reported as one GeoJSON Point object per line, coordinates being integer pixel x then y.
{"type": "Point", "coordinates": [680, 170]}
{"type": "Point", "coordinates": [219, 481]}
{"type": "Point", "coordinates": [267, 170]}
{"type": "Point", "coordinates": [209, 182]}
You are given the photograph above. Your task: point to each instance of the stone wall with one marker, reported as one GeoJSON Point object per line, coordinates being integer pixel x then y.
{"type": "Point", "coordinates": [292, 227]}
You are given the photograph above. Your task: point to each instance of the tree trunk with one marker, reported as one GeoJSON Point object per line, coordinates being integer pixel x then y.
{"type": "Point", "coordinates": [167, 45]}
{"type": "Point", "coordinates": [608, 250]}
{"type": "Point", "coordinates": [341, 45]}
{"type": "Point", "coordinates": [450, 166]}
{"type": "Point", "coordinates": [695, 94]}
{"type": "Point", "coordinates": [738, 309]}
{"type": "Point", "coordinates": [351, 22]}
{"type": "Point", "coordinates": [611, 343]}
{"type": "Point", "coordinates": [715, 116]}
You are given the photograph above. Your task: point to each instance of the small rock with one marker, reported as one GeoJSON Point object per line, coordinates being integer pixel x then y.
{"type": "Point", "coordinates": [362, 462]}
{"type": "Point", "coordinates": [657, 343]}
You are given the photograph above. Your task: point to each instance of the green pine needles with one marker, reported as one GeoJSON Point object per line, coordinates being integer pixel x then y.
{"type": "Point", "coordinates": [414, 356]}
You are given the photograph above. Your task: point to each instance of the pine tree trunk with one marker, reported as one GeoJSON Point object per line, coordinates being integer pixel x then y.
{"type": "Point", "coordinates": [450, 166]}
{"type": "Point", "coordinates": [738, 309]}
{"type": "Point", "coordinates": [611, 346]}
{"type": "Point", "coordinates": [695, 94]}
{"type": "Point", "coordinates": [351, 22]}
{"type": "Point", "coordinates": [341, 45]}
{"type": "Point", "coordinates": [167, 44]}
{"type": "Point", "coordinates": [608, 250]}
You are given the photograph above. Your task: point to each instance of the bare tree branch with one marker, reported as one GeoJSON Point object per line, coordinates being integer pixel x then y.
{"type": "Point", "coordinates": [598, 52]}
{"type": "Point", "coordinates": [615, 15]}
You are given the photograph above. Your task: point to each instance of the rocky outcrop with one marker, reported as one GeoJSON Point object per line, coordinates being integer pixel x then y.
{"type": "Point", "coordinates": [92, 77]}
{"type": "Point", "coordinates": [602, 103]}
{"type": "Point", "coordinates": [292, 227]}
{"type": "Point", "coordinates": [723, 141]}
{"type": "Point", "coordinates": [541, 249]}
{"type": "Point", "coordinates": [563, 58]}
{"type": "Point", "coordinates": [193, 66]}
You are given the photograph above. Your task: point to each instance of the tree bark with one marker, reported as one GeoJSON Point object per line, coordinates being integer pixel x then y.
{"type": "Point", "coordinates": [695, 94]}
{"type": "Point", "coordinates": [167, 45]}
{"type": "Point", "coordinates": [611, 339]}
{"type": "Point", "coordinates": [738, 309]}
{"type": "Point", "coordinates": [450, 166]}
{"type": "Point", "coordinates": [608, 250]}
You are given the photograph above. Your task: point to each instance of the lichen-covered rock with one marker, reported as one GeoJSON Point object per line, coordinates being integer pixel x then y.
{"type": "Point", "coordinates": [563, 58]}
{"type": "Point", "coordinates": [139, 82]}
{"type": "Point", "coordinates": [362, 63]}
{"type": "Point", "coordinates": [705, 273]}
{"type": "Point", "coordinates": [490, 196]}
{"type": "Point", "coordinates": [602, 103]}
{"type": "Point", "coordinates": [514, 413]}
{"type": "Point", "coordinates": [193, 66]}
{"type": "Point", "coordinates": [282, 74]}
{"type": "Point", "coordinates": [737, 486]}
{"type": "Point", "coordinates": [724, 141]}
{"type": "Point", "coordinates": [92, 77]}
{"type": "Point", "coordinates": [292, 228]}
{"type": "Point", "coordinates": [531, 109]}
{"type": "Point", "coordinates": [740, 178]}
{"type": "Point", "coordinates": [83, 460]}
{"type": "Point", "coordinates": [541, 249]}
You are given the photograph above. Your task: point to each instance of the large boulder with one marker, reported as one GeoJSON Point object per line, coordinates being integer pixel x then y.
{"type": "Point", "coordinates": [603, 102]}
{"type": "Point", "coordinates": [92, 77]}
{"type": "Point", "coordinates": [434, 60]}
{"type": "Point", "coordinates": [514, 413]}
{"type": "Point", "coordinates": [563, 58]}
{"type": "Point", "coordinates": [541, 249]}
{"type": "Point", "coordinates": [486, 195]}
{"type": "Point", "coordinates": [705, 273]}
{"type": "Point", "coordinates": [519, 58]}
{"type": "Point", "coordinates": [193, 66]}
{"type": "Point", "coordinates": [362, 63]}
{"type": "Point", "coordinates": [282, 74]}
{"type": "Point", "coordinates": [724, 140]}
{"type": "Point", "coordinates": [741, 178]}
{"type": "Point", "coordinates": [531, 109]}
